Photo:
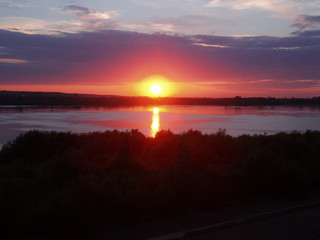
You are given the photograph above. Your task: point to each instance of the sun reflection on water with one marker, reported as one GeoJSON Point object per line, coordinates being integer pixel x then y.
{"type": "Point", "coordinates": [155, 125]}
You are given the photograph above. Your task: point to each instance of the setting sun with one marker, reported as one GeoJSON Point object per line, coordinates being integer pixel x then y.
{"type": "Point", "coordinates": [156, 89]}
{"type": "Point", "coordinates": [156, 86]}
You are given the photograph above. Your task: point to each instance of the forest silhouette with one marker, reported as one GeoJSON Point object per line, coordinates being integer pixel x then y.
{"type": "Point", "coordinates": [61, 181]}
{"type": "Point", "coordinates": [85, 100]}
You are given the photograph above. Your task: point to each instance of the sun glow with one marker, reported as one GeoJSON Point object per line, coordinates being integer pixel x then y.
{"type": "Point", "coordinates": [156, 89]}
{"type": "Point", "coordinates": [156, 86]}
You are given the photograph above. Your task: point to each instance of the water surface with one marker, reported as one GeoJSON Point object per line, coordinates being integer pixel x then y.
{"type": "Point", "coordinates": [208, 119]}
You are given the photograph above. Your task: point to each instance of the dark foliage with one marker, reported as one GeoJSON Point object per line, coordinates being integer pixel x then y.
{"type": "Point", "coordinates": [54, 181]}
{"type": "Point", "coordinates": [85, 100]}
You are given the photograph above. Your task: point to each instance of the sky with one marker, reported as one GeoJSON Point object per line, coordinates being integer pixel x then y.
{"type": "Point", "coordinates": [205, 48]}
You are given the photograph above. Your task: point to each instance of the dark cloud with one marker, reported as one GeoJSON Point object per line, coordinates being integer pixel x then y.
{"type": "Point", "coordinates": [84, 12]}
{"type": "Point", "coordinates": [260, 42]}
{"type": "Point", "coordinates": [118, 56]}
{"type": "Point", "coordinates": [303, 22]}
{"type": "Point", "coordinates": [71, 57]}
{"type": "Point", "coordinates": [310, 33]}
{"type": "Point", "coordinates": [79, 11]}
{"type": "Point", "coordinates": [289, 58]}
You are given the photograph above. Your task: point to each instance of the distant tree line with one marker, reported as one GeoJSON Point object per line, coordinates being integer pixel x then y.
{"type": "Point", "coordinates": [79, 100]}
{"type": "Point", "coordinates": [58, 181]}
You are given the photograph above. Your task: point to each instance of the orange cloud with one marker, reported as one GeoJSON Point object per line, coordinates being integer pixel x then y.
{"type": "Point", "coordinates": [12, 60]}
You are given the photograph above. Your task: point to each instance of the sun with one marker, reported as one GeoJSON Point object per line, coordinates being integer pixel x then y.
{"type": "Point", "coordinates": [156, 89]}
{"type": "Point", "coordinates": [156, 86]}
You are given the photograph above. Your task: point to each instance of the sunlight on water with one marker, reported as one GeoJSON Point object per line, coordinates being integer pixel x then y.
{"type": "Point", "coordinates": [155, 125]}
{"type": "Point", "coordinates": [15, 120]}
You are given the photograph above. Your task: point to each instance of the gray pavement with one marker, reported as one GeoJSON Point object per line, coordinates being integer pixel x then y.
{"type": "Point", "coordinates": [200, 225]}
{"type": "Point", "coordinates": [300, 225]}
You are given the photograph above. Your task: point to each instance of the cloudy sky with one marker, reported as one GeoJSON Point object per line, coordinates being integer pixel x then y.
{"type": "Point", "coordinates": [208, 48]}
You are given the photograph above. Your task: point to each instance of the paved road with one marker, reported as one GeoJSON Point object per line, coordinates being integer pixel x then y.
{"type": "Point", "coordinates": [300, 225]}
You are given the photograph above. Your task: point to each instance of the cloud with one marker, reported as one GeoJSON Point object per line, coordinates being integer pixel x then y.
{"type": "Point", "coordinates": [10, 5]}
{"type": "Point", "coordinates": [37, 26]}
{"type": "Point", "coordinates": [303, 22]}
{"type": "Point", "coordinates": [185, 23]}
{"type": "Point", "coordinates": [314, 33]}
{"type": "Point", "coordinates": [287, 85]}
{"type": "Point", "coordinates": [312, 4]}
{"type": "Point", "coordinates": [210, 45]}
{"type": "Point", "coordinates": [287, 48]}
{"type": "Point", "coordinates": [23, 24]}
{"type": "Point", "coordinates": [120, 56]}
{"type": "Point", "coordinates": [150, 26]}
{"type": "Point", "coordinates": [12, 60]}
{"type": "Point", "coordinates": [88, 20]}
{"type": "Point", "coordinates": [84, 12]}
{"type": "Point", "coordinates": [267, 5]}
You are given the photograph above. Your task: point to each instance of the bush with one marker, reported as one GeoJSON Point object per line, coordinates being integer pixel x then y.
{"type": "Point", "coordinates": [53, 181]}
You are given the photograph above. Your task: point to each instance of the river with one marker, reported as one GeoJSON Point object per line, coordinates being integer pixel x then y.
{"type": "Point", "coordinates": [149, 120]}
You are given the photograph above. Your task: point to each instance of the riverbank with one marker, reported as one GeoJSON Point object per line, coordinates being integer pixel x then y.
{"type": "Point", "coordinates": [92, 100]}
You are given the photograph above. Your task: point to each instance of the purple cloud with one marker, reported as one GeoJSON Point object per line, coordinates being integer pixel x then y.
{"type": "Point", "coordinates": [310, 33]}
{"type": "Point", "coordinates": [109, 55]}
{"type": "Point", "coordinates": [84, 12]}
{"type": "Point", "coordinates": [303, 22]}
